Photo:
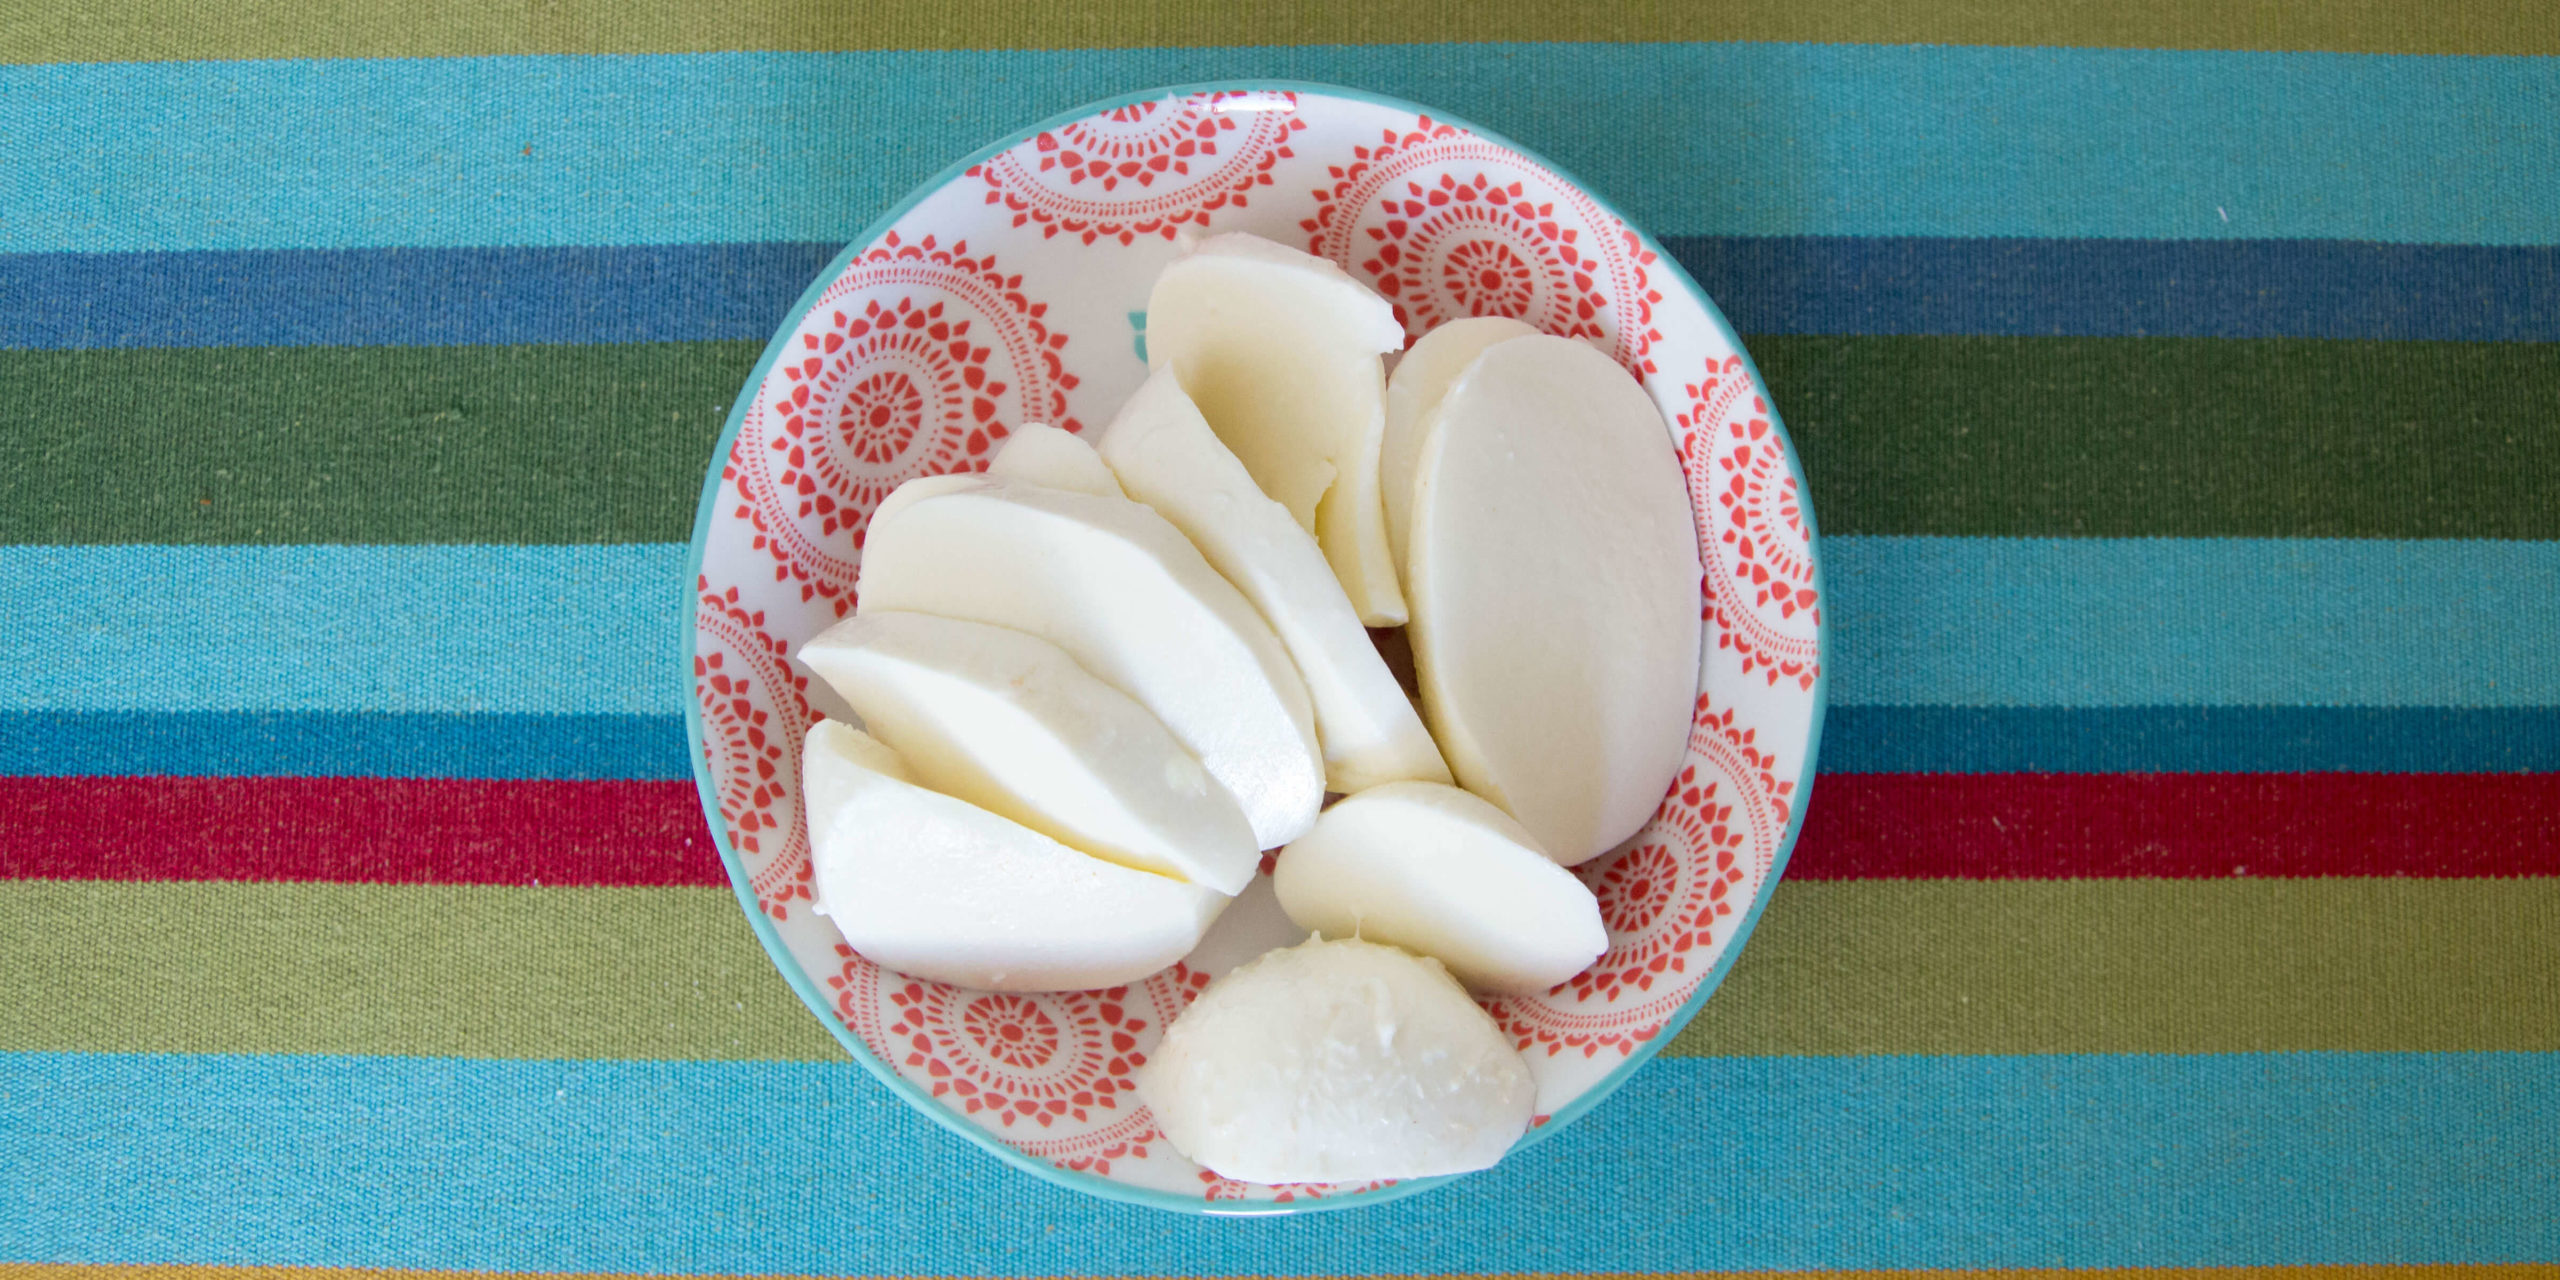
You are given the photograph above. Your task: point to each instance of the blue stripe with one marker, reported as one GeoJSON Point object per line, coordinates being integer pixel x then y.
{"type": "Point", "coordinates": [1781, 284]}
{"type": "Point", "coordinates": [1855, 740]}
{"type": "Point", "coordinates": [1779, 1163]}
{"type": "Point", "coordinates": [2098, 622]}
{"type": "Point", "coordinates": [579, 629]}
{"type": "Point", "coordinates": [341, 744]}
{"type": "Point", "coordinates": [2191, 740]}
{"type": "Point", "coordinates": [1962, 622]}
{"type": "Point", "coordinates": [1708, 139]}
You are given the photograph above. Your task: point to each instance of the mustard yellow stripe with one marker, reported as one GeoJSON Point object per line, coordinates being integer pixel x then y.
{"type": "Point", "coordinates": [127, 30]}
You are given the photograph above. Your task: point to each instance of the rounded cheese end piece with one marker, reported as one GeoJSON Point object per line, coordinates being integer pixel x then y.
{"type": "Point", "coordinates": [1437, 871]}
{"type": "Point", "coordinates": [1167, 457]}
{"type": "Point", "coordinates": [1007, 721]}
{"type": "Point", "coordinates": [1037, 453]}
{"type": "Point", "coordinates": [1555, 586]}
{"type": "Point", "coordinates": [1132, 602]}
{"type": "Point", "coordinates": [1338, 1062]}
{"type": "Point", "coordinates": [938, 888]}
{"type": "Point", "coordinates": [1421, 378]}
{"type": "Point", "coordinates": [1279, 349]}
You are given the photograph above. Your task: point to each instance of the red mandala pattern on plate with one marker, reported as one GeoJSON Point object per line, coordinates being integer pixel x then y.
{"type": "Point", "coordinates": [1146, 169]}
{"type": "Point", "coordinates": [1448, 225]}
{"type": "Point", "coordinates": [1217, 1190]}
{"type": "Point", "coordinates": [918, 360]}
{"type": "Point", "coordinates": [754, 713]}
{"type": "Point", "coordinates": [1052, 1073]}
{"type": "Point", "coordinates": [1665, 895]}
{"type": "Point", "coordinates": [1752, 535]}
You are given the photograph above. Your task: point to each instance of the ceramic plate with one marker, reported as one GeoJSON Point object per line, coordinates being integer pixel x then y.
{"type": "Point", "coordinates": [1012, 289]}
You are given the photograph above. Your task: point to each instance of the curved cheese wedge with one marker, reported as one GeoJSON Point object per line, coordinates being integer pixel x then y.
{"type": "Point", "coordinates": [1040, 454]}
{"type": "Point", "coordinates": [1555, 588]}
{"type": "Point", "coordinates": [1133, 603]}
{"type": "Point", "coordinates": [1421, 378]}
{"type": "Point", "coordinates": [938, 888]}
{"type": "Point", "coordinates": [1337, 1062]}
{"type": "Point", "coordinates": [1168, 458]}
{"type": "Point", "coordinates": [1008, 722]}
{"type": "Point", "coordinates": [1279, 349]}
{"type": "Point", "coordinates": [1439, 872]}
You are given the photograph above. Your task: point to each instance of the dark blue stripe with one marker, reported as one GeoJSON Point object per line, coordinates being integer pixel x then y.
{"type": "Point", "coordinates": [1766, 284]}
{"type": "Point", "coordinates": [354, 744]}
{"type": "Point", "coordinates": [1856, 739]}
{"type": "Point", "coordinates": [2131, 288]}
{"type": "Point", "coordinates": [1875, 739]}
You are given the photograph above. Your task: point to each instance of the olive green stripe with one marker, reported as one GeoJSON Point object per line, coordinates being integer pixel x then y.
{"type": "Point", "coordinates": [2173, 437]}
{"type": "Point", "coordinates": [281, 445]}
{"type": "Point", "coordinates": [2142, 966]}
{"type": "Point", "coordinates": [1958, 436]}
{"type": "Point", "coordinates": [42, 31]}
{"type": "Point", "coordinates": [1913, 967]}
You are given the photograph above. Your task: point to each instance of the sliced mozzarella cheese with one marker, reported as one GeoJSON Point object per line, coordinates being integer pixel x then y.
{"type": "Point", "coordinates": [1129, 599]}
{"type": "Point", "coordinates": [1337, 1062]}
{"type": "Point", "coordinates": [1008, 722]}
{"type": "Point", "coordinates": [1280, 350]}
{"type": "Point", "coordinates": [1168, 458]}
{"type": "Point", "coordinates": [1421, 378]}
{"type": "Point", "coordinates": [1555, 589]}
{"type": "Point", "coordinates": [939, 888]}
{"type": "Point", "coordinates": [1040, 454]}
{"type": "Point", "coordinates": [1440, 872]}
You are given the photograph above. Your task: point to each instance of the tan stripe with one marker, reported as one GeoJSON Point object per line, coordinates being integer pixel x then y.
{"type": "Point", "coordinates": [115, 30]}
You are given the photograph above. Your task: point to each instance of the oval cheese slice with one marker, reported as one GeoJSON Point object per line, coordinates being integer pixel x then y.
{"type": "Point", "coordinates": [1167, 457]}
{"type": "Point", "coordinates": [1440, 872]}
{"type": "Point", "coordinates": [1555, 589]}
{"type": "Point", "coordinates": [939, 888]}
{"type": "Point", "coordinates": [1008, 722]}
{"type": "Point", "coordinates": [1129, 599]}
{"type": "Point", "coordinates": [1337, 1062]}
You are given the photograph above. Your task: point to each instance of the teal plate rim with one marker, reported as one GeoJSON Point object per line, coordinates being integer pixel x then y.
{"type": "Point", "coordinates": [707, 792]}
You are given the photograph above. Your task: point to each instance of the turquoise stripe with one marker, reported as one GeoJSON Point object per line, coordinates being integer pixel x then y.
{"type": "Point", "coordinates": [1776, 1163]}
{"type": "Point", "coordinates": [410, 628]}
{"type": "Point", "coordinates": [1689, 139]}
{"type": "Point", "coordinates": [2187, 622]}
{"type": "Point", "coordinates": [1918, 622]}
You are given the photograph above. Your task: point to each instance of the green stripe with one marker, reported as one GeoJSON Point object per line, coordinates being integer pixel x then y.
{"type": "Point", "coordinates": [2142, 966]}
{"type": "Point", "coordinates": [169, 29]}
{"type": "Point", "coordinates": [1960, 436]}
{"type": "Point", "coordinates": [2173, 437]}
{"type": "Point", "coordinates": [1835, 968]}
{"type": "Point", "coordinates": [545, 444]}
{"type": "Point", "coordinates": [154, 967]}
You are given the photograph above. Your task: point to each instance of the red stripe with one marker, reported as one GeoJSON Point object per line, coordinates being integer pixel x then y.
{"type": "Point", "coordinates": [2179, 826]}
{"type": "Point", "coordinates": [377, 830]}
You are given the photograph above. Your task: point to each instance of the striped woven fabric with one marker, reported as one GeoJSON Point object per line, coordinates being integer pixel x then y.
{"type": "Point", "coordinates": [2178, 382]}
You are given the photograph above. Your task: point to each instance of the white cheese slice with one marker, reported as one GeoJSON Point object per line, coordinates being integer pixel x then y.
{"type": "Point", "coordinates": [1037, 453]}
{"type": "Point", "coordinates": [939, 888]}
{"type": "Point", "coordinates": [1279, 349]}
{"type": "Point", "coordinates": [1555, 589]}
{"type": "Point", "coordinates": [1129, 599]}
{"type": "Point", "coordinates": [1337, 1062]}
{"type": "Point", "coordinates": [1167, 457]}
{"type": "Point", "coordinates": [1008, 722]}
{"type": "Point", "coordinates": [1421, 378]}
{"type": "Point", "coordinates": [1440, 872]}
